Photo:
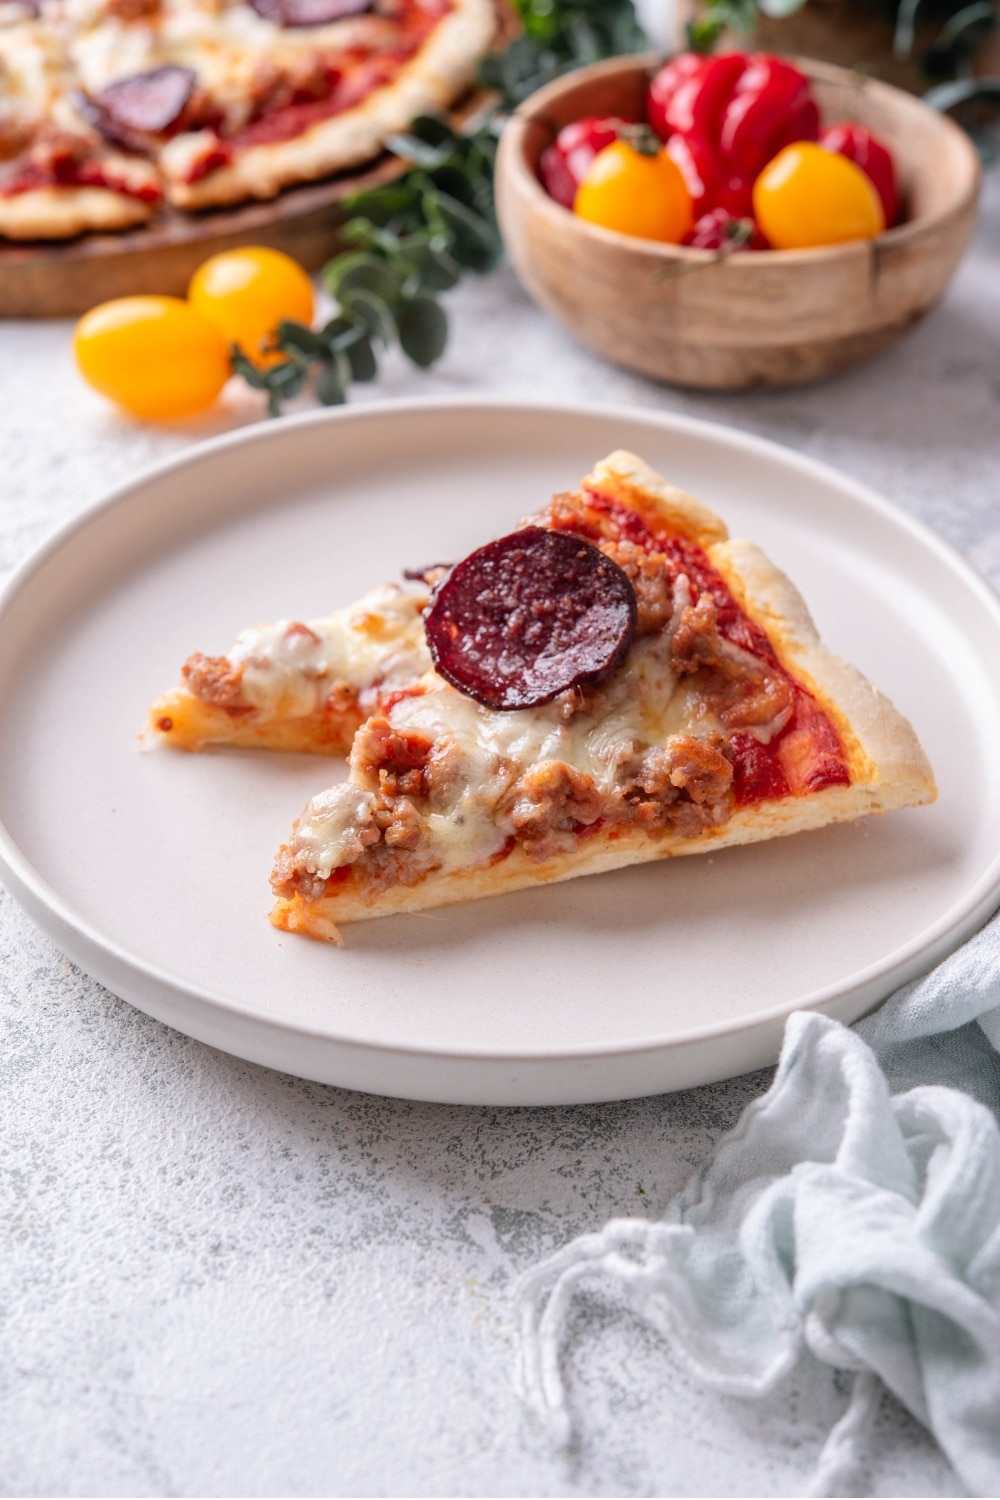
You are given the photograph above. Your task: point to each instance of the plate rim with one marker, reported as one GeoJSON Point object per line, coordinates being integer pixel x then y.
{"type": "Point", "coordinates": [32, 890]}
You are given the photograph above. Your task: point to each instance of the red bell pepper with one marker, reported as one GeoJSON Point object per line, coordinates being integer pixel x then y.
{"type": "Point", "coordinates": [692, 96]}
{"type": "Point", "coordinates": [874, 158]}
{"type": "Point", "coordinates": [724, 118]}
{"type": "Point", "coordinates": [770, 99]}
{"type": "Point", "coordinates": [719, 228]}
{"type": "Point", "coordinates": [563, 165]}
{"type": "Point", "coordinates": [699, 167]}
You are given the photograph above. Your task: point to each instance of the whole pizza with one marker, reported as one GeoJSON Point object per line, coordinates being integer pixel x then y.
{"type": "Point", "coordinates": [110, 108]}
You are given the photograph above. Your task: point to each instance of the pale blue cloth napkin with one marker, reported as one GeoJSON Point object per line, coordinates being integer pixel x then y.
{"type": "Point", "coordinates": [853, 1212]}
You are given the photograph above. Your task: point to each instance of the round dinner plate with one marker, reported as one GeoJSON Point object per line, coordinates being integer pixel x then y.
{"type": "Point", "coordinates": [151, 869]}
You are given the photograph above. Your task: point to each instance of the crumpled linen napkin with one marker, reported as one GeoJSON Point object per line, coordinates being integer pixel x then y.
{"type": "Point", "coordinates": [838, 1217]}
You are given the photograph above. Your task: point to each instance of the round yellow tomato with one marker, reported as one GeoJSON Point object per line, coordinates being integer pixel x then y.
{"type": "Point", "coordinates": [809, 196]}
{"type": "Point", "coordinates": [155, 356]}
{"type": "Point", "coordinates": [634, 193]}
{"type": "Point", "coordinates": [246, 294]}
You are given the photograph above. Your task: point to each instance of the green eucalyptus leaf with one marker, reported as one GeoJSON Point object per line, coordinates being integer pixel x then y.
{"type": "Point", "coordinates": [377, 205]}
{"type": "Point", "coordinates": [947, 95]}
{"type": "Point", "coordinates": [282, 383]}
{"type": "Point", "coordinates": [423, 329]}
{"type": "Point", "coordinates": [361, 271]}
{"type": "Point", "coordinates": [246, 369]}
{"type": "Point", "coordinates": [476, 244]}
{"type": "Point", "coordinates": [296, 337]}
{"type": "Point", "coordinates": [336, 330]}
{"type": "Point", "coordinates": [434, 270]}
{"type": "Point", "coordinates": [412, 148]}
{"type": "Point", "coordinates": [362, 361]}
{"type": "Point", "coordinates": [434, 129]}
{"type": "Point", "coordinates": [373, 237]}
{"type": "Point", "coordinates": [906, 26]}
{"type": "Point", "coordinates": [372, 312]}
{"type": "Point", "coordinates": [330, 387]}
{"type": "Point", "coordinates": [455, 180]}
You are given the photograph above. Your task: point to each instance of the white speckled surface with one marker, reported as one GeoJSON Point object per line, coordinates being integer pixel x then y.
{"type": "Point", "coordinates": [217, 1280]}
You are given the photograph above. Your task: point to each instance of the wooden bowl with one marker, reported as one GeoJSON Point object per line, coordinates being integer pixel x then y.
{"type": "Point", "coordinates": [775, 317]}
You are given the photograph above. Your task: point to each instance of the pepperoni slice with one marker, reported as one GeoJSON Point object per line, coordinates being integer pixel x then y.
{"type": "Point", "coordinates": [309, 12]}
{"type": "Point", "coordinates": [148, 103]}
{"type": "Point", "coordinates": [526, 617]}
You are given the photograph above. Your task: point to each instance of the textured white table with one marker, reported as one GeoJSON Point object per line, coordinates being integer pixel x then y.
{"type": "Point", "coordinates": [218, 1280]}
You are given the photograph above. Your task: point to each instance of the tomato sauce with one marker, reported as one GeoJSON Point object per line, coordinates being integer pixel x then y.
{"type": "Point", "coordinates": [807, 755]}
{"type": "Point", "coordinates": [76, 174]}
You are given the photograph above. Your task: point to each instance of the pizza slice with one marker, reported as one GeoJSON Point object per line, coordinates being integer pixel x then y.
{"type": "Point", "coordinates": [59, 175]}
{"type": "Point", "coordinates": [297, 685]}
{"type": "Point", "coordinates": [614, 682]}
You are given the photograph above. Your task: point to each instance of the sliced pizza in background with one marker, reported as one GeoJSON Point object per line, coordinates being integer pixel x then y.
{"type": "Point", "coordinates": [615, 682]}
{"type": "Point", "coordinates": [108, 106]}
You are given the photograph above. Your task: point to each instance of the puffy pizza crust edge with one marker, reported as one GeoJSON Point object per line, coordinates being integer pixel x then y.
{"type": "Point", "coordinates": [59, 213]}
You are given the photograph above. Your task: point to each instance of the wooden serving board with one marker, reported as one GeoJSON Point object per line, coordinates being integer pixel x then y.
{"type": "Point", "coordinates": [62, 278]}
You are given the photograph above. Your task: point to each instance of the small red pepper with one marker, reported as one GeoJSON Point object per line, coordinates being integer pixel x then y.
{"type": "Point", "coordinates": [664, 86]}
{"type": "Point", "coordinates": [724, 118]}
{"type": "Point", "coordinates": [563, 165]}
{"type": "Point", "coordinates": [691, 101]}
{"type": "Point", "coordinates": [771, 98]}
{"type": "Point", "coordinates": [699, 168]}
{"type": "Point", "coordinates": [874, 159]}
{"type": "Point", "coordinates": [720, 229]}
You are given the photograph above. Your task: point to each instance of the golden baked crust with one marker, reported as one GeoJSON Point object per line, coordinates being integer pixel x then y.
{"type": "Point", "coordinates": [185, 722]}
{"type": "Point", "coordinates": [61, 213]}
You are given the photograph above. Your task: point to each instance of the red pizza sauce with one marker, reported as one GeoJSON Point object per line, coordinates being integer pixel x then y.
{"type": "Point", "coordinates": [68, 173]}
{"type": "Point", "coordinates": [807, 755]}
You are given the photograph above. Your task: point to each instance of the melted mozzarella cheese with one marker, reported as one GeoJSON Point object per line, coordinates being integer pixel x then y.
{"type": "Point", "coordinates": [380, 640]}
{"type": "Point", "coordinates": [642, 704]}
{"type": "Point", "coordinates": [30, 74]}
{"type": "Point", "coordinates": [327, 834]}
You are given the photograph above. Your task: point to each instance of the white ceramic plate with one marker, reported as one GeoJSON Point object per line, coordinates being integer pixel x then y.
{"type": "Point", "coordinates": [151, 870]}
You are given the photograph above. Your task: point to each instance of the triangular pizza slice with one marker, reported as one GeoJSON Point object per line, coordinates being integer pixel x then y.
{"type": "Point", "coordinates": [300, 685]}
{"type": "Point", "coordinates": [616, 681]}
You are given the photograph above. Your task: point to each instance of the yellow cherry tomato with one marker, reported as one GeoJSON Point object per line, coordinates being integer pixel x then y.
{"type": "Point", "coordinates": [809, 196]}
{"type": "Point", "coordinates": [155, 356]}
{"type": "Point", "coordinates": [246, 293]}
{"type": "Point", "coordinates": [645, 196]}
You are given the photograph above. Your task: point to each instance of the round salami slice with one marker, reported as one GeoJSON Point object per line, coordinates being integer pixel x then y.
{"type": "Point", "coordinates": [526, 617]}
{"type": "Point", "coordinates": [309, 12]}
{"type": "Point", "coordinates": [148, 103]}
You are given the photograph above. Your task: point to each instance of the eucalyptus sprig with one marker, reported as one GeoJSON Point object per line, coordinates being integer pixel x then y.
{"type": "Point", "coordinates": [412, 239]}
{"type": "Point", "coordinates": [560, 35]}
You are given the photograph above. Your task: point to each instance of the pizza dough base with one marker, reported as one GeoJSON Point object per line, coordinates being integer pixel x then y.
{"type": "Point", "coordinates": [194, 725]}
{"type": "Point", "coordinates": [888, 768]}
{"type": "Point", "coordinates": [59, 213]}
{"type": "Point", "coordinates": [436, 76]}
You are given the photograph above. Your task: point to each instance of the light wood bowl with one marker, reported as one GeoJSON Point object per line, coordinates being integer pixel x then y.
{"type": "Point", "coordinates": [757, 318]}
